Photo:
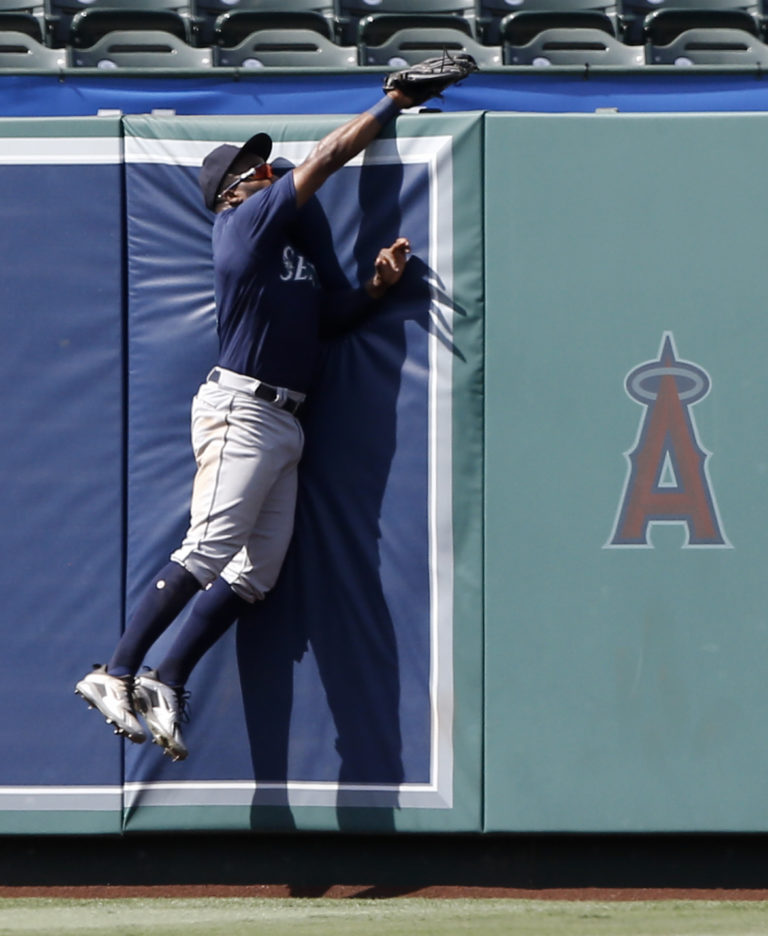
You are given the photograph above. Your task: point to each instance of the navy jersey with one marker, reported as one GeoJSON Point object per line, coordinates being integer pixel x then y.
{"type": "Point", "coordinates": [267, 296]}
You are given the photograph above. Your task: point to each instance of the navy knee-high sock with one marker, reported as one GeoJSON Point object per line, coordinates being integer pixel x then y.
{"type": "Point", "coordinates": [165, 598]}
{"type": "Point", "coordinates": [214, 611]}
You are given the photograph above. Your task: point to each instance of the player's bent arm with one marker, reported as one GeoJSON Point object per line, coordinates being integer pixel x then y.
{"type": "Point", "coordinates": [388, 268]}
{"type": "Point", "coordinates": [342, 310]}
{"type": "Point", "coordinates": [342, 144]}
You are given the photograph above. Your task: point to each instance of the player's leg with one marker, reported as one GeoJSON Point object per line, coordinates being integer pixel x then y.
{"type": "Point", "coordinates": [160, 693]}
{"type": "Point", "coordinates": [254, 570]}
{"type": "Point", "coordinates": [167, 595]}
{"type": "Point", "coordinates": [109, 688]}
{"type": "Point", "coordinates": [247, 577]}
{"type": "Point", "coordinates": [236, 465]}
{"type": "Point", "coordinates": [243, 446]}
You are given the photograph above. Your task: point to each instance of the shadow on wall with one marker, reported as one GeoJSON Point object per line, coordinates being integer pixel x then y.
{"type": "Point", "coordinates": [330, 597]}
{"type": "Point", "coordinates": [330, 611]}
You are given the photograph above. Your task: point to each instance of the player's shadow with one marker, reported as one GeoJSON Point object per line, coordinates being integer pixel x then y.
{"type": "Point", "coordinates": [331, 599]}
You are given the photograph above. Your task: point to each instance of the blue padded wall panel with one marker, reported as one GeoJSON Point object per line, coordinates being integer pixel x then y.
{"type": "Point", "coordinates": [328, 695]}
{"type": "Point", "coordinates": [61, 510]}
{"type": "Point", "coordinates": [171, 347]}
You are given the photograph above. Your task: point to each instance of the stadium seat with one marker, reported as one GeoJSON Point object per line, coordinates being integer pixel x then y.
{"type": "Point", "coordinates": [26, 8]}
{"type": "Point", "coordinates": [353, 12]}
{"type": "Point", "coordinates": [295, 48]}
{"type": "Point", "coordinates": [80, 23]}
{"type": "Point", "coordinates": [356, 9]}
{"type": "Point", "coordinates": [88, 26]}
{"type": "Point", "coordinates": [409, 46]}
{"type": "Point", "coordinates": [632, 14]}
{"type": "Point", "coordinates": [493, 14]}
{"type": "Point", "coordinates": [710, 47]}
{"type": "Point", "coordinates": [586, 47]}
{"type": "Point", "coordinates": [141, 49]}
{"type": "Point", "coordinates": [22, 6]}
{"type": "Point", "coordinates": [20, 51]}
{"type": "Point", "coordinates": [209, 14]}
{"type": "Point", "coordinates": [71, 7]}
{"type": "Point", "coordinates": [230, 29]}
{"type": "Point", "coordinates": [519, 28]}
{"type": "Point", "coordinates": [25, 23]}
{"type": "Point", "coordinates": [24, 17]}
{"type": "Point", "coordinates": [215, 8]}
{"type": "Point", "coordinates": [374, 30]}
{"type": "Point", "coordinates": [662, 26]}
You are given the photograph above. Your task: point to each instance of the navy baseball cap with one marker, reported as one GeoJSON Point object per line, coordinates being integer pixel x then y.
{"type": "Point", "coordinates": [216, 164]}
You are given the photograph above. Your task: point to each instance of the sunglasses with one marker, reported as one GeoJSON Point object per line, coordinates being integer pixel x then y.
{"type": "Point", "coordinates": [254, 174]}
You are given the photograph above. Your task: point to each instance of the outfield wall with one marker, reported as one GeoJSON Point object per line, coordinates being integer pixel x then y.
{"type": "Point", "coordinates": [349, 699]}
{"type": "Point", "coordinates": [625, 458]}
{"type": "Point", "coordinates": [524, 592]}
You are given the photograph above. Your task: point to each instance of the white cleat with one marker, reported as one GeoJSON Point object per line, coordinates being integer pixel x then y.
{"type": "Point", "coordinates": [111, 695]}
{"type": "Point", "coordinates": [163, 709]}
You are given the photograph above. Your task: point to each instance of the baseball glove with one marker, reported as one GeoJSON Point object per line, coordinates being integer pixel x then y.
{"type": "Point", "coordinates": [431, 77]}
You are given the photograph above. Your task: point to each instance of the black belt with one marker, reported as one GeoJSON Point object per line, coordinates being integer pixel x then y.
{"type": "Point", "coordinates": [272, 395]}
{"type": "Point", "coordinates": [264, 391]}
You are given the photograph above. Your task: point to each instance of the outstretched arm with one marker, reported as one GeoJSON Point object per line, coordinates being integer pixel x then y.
{"type": "Point", "coordinates": [412, 85]}
{"type": "Point", "coordinates": [343, 143]}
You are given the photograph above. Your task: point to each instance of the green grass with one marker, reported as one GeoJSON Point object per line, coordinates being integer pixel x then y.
{"type": "Point", "coordinates": [221, 916]}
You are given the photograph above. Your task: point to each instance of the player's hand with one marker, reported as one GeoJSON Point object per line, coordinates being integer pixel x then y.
{"type": "Point", "coordinates": [389, 267]}
{"type": "Point", "coordinates": [401, 98]}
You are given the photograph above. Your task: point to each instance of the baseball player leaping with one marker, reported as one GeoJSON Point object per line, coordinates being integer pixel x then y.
{"type": "Point", "coordinates": [247, 441]}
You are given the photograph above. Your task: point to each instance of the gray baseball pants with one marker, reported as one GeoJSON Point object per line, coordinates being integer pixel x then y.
{"type": "Point", "coordinates": [244, 494]}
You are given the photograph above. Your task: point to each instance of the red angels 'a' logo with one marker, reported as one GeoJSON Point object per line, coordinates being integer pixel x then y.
{"type": "Point", "coordinates": [667, 480]}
